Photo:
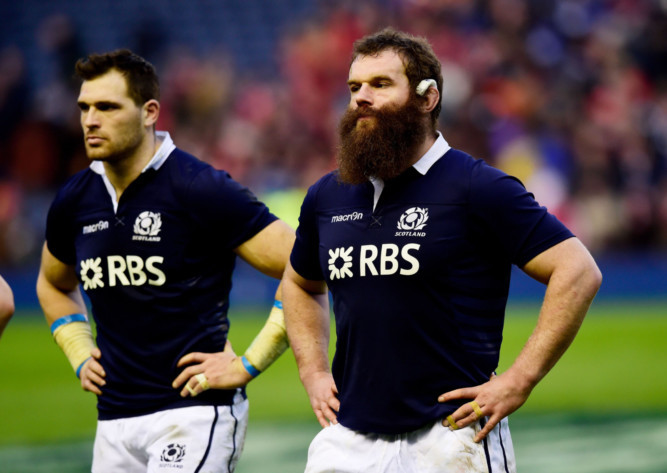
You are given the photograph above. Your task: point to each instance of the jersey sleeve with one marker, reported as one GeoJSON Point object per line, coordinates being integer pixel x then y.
{"type": "Point", "coordinates": [305, 253]}
{"type": "Point", "coordinates": [516, 223]}
{"type": "Point", "coordinates": [228, 209]}
{"type": "Point", "coordinates": [59, 231]}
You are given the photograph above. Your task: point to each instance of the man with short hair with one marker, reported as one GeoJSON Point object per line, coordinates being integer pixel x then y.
{"type": "Point", "coordinates": [416, 240]}
{"type": "Point", "coordinates": [152, 234]}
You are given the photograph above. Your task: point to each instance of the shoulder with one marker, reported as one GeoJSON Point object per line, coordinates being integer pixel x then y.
{"type": "Point", "coordinates": [459, 164]}
{"type": "Point", "coordinates": [192, 178]}
{"type": "Point", "coordinates": [476, 175]}
{"type": "Point", "coordinates": [76, 186]}
{"type": "Point", "coordinates": [184, 167]}
{"type": "Point", "coordinates": [330, 191]}
{"type": "Point", "coordinates": [452, 178]}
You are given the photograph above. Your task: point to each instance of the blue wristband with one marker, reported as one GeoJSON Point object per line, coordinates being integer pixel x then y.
{"type": "Point", "coordinates": [278, 304]}
{"type": "Point", "coordinates": [78, 370]}
{"type": "Point", "coordinates": [254, 372]}
{"type": "Point", "coordinates": [68, 319]}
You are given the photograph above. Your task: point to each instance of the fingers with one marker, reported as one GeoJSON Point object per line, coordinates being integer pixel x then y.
{"type": "Point", "coordinates": [93, 374]}
{"type": "Point", "coordinates": [187, 375]}
{"type": "Point", "coordinates": [488, 427]}
{"type": "Point", "coordinates": [494, 400]}
{"type": "Point", "coordinates": [334, 403]}
{"type": "Point", "coordinates": [195, 357]}
{"type": "Point", "coordinates": [195, 385]}
{"type": "Point", "coordinates": [326, 415]}
{"type": "Point", "coordinates": [324, 400]}
{"type": "Point", "coordinates": [463, 393]}
{"type": "Point", "coordinates": [321, 418]}
{"type": "Point", "coordinates": [89, 386]}
{"type": "Point", "coordinates": [190, 371]}
{"type": "Point", "coordinates": [468, 414]}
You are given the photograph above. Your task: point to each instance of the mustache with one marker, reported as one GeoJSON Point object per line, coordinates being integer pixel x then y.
{"type": "Point", "coordinates": [364, 111]}
{"type": "Point", "coordinates": [351, 116]}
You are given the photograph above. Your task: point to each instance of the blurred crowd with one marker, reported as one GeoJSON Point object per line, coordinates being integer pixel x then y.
{"type": "Point", "coordinates": [568, 95]}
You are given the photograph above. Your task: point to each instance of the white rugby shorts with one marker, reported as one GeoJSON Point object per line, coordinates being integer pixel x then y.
{"type": "Point", "coordinates": [202, 439]}
{"type": "Point", "coordinates": [432, 449]}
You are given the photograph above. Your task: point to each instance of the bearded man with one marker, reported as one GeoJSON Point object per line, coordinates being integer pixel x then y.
{"type": "Point", "coordinates": [416, 241]}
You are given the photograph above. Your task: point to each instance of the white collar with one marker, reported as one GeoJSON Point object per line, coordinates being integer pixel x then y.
{"type": "Point", "coordinates": [434, 153]}
{"type": "Point", "coordinates": [156, 162]}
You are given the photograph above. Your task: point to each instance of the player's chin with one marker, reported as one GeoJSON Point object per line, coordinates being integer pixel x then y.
{"type": "Point", "coordinates": [366, 123]}
{"type": "Point", "coordinates": [96, 154]}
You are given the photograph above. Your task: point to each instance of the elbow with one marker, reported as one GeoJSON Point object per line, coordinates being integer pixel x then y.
{"type": "Point", "coordinates": [590, 279]}
{"type": "Point", "coordinates": [7, 307]}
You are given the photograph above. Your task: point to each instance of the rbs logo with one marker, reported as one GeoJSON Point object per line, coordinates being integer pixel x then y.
{"type": "Point", "coordinates": [127, 270]}
{"type": "Point", "coordinates": [386, 260]}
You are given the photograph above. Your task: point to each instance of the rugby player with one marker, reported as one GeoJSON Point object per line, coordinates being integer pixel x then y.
{"type": "Point", "coordinates": [152, 234]}
{"type": "Point", "coordinates": [415, 241]}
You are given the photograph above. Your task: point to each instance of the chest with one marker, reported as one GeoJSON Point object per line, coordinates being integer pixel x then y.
{"type": "Point", "coordinates": [144, 242]}
{"type": "Point", "coordinates": [399, 238]}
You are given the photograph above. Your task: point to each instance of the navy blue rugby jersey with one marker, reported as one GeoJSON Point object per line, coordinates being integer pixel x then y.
{"type": "Point", "coordinates": [420, 284]}
{"type": "Point", "coordinates": [157, 271]}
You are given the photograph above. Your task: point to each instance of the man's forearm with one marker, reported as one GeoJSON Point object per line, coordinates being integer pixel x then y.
{"type": "Point", "coordinates": [308, 325]}
{"type": "Point", "coordinates": [65, 313]}
{"type": "Point", "coordinates": [269, 343]}
{"type": "Point", "coordinates": [569, 294]}
{"type": "Point", "coordinates": [57, 303]}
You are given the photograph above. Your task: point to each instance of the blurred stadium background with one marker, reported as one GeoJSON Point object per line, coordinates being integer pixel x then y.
{"type": "Point", "coordinates": [568, 95]}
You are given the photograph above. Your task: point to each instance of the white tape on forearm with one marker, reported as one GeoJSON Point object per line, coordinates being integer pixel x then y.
{"type": "Point", "coordinates": [270, 342]}
{"type": "Point", "coordinates": [75, 339]}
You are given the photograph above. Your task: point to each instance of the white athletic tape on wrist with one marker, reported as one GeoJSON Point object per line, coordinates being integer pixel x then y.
{"type": "Point", "coordinates": [269, 344]}
{"type": "Point", "coordinates": [73, 335]}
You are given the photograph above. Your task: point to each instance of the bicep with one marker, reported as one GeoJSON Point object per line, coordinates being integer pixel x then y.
{"type": "Point", "coordinates": [568, 256]}
{"type": "Point", "coordinates": [55, 273]}
{"type": "Point", "coordinates": [58, 287]}
{"type": "Point", "coordinates": [269, 250]}
{"type": "Point", "coordinates": [294, 279]}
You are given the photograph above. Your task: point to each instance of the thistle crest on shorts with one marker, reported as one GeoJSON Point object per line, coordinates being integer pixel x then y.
{"type": "Point", "coordinates": [173, 453]}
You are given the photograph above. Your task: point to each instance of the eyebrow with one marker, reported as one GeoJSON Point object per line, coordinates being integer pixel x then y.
{"type": "Point", "coordinates": [371, 80]}
{"type": "Point", "coordinates": [98, 103]}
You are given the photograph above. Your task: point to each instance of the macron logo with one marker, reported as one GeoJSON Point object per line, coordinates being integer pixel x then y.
{"type": "Point", "coordinates": [96, 227]}
{"type": "Point", "coordinates": [348, 217]}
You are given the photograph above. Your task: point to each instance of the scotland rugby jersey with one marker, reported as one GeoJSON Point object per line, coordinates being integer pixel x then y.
{"type": "Point", "coordinates": [419, 282]}
{"type": "Point", "coordinates": [157, 268]}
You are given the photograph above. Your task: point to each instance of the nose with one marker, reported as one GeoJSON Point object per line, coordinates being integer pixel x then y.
{"type": "Point", "coordinates": [89, 118]}
{"type": "Point", "coordinates": [363, 96]}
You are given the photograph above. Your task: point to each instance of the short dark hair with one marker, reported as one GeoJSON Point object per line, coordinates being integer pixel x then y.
{"type": "Point", "coordinates": [142, 81]}
{"type": "Point", "coordinates": [416, 52]}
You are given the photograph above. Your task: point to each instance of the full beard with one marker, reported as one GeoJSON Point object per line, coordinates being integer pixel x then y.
{"type": "Point", "coordinates": [383, 147]}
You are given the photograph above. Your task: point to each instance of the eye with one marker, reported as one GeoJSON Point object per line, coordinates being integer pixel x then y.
{"type": "Point", "coordinates": [83, 107]}
{"type": "Point", "coordinates": [354, 87]}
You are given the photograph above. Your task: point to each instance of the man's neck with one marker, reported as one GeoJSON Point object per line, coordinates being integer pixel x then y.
{"type": "Point", "coordinates": [123, 172]}
{"type": "Point", "coordinates": [425, 146]}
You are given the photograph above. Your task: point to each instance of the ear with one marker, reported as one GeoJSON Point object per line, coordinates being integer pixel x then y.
{"type": "Point", "coordinates": [151, 112]}
{"type": "Point", "coordinates": [432, 97]}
